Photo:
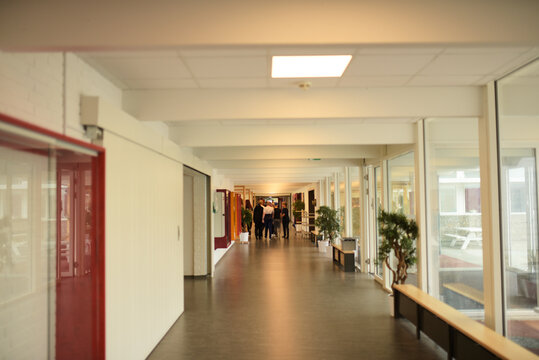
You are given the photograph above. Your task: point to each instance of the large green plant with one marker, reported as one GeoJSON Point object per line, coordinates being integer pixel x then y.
{"type": "Point", "coordinates": [246, 218]}
{"type": "Point", "coordinates": [297, 206]}
{"type": "Point", "coordinates": [398, 235]}
{"type": "Point", "coordinates": [328, 222]}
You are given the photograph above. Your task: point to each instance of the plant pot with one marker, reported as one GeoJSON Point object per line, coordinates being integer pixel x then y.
{"type": "Point", "coordinates": [244, 237]}
{"type": "Point", "coordinates": [322, 245]}
{"type": "Point", "coordinates": [329, 251]}
{"type": "Point", "coordinates": [391, 302]}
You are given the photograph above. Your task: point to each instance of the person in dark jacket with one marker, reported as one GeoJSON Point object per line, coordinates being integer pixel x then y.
{"type": "Point", "coordinates": [285, 219]}
{"type": "Point", "coordinates": [257, 218]}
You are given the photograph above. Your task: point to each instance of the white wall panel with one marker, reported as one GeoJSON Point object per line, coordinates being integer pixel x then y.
{"type": "Point", "coordinates": [144, 261]}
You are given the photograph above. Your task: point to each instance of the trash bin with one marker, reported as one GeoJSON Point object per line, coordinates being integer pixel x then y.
{"type": "Point", "coordinates": [348, 244]}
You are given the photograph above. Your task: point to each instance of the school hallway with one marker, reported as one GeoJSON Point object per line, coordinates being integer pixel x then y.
{"type": "Point", "coordinates": [284, 299]}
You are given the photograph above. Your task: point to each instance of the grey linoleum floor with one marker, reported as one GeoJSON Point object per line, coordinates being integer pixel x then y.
{"type": "Point", "coordinates": [284, 300]}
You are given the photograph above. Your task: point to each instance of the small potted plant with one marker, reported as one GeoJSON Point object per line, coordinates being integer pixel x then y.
{"type": "Point", "coordinates": [246, 222]}
{"type": "Point", "coordinates": [298, 206]}
{"type": "Point", "coordinates": [328, 222]}
{"type": "Point", "coordinates": [399, 234]}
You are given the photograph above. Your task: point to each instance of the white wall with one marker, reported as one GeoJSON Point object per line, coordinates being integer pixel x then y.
{"type": "Point", "coordinates": [34, 88]}
{"type": "Point", "coordinates": [31, 88]}
{"type": "Point", "coordinates": [144, 261]}
{"type": "Point", "coordinates": [220, 181]}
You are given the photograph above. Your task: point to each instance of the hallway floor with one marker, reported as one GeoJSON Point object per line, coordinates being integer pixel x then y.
{"type": "Point", "coordinates": [284, 300]}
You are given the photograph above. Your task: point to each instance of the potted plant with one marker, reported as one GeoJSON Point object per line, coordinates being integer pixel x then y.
{"type": "Point", "coordinates": [246, 222]}
{"type": "Point", "coordinates": [399, 234]}
{"type": "Point", "coordinates": [298, 206]}
{"type": "Point", "coordinates": [328, 222]}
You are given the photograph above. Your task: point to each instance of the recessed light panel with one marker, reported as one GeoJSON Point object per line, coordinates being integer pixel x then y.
{"type": "Point", "coordinates": [309, 66]}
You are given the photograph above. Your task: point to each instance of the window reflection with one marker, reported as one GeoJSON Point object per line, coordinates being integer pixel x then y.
{"type": "Point", "coordinates": [401, 175]}
{"type": "Point", "coordinates": [455, 248]}
{"type": "Point", "coordinates": [378, 207]}
{"type": "Point", "coordinates": [518, 120]}
{"type": "Point", "coordinates": [27, 241]}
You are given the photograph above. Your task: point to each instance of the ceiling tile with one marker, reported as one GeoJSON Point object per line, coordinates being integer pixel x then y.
{"type": "Point", "coordinates": [233, 83]}
{"type": "Point", "coordinates": [222, 52]}
{"type": "Point", "coordinates": [315, 82]}
{"type": "Point", "coordinates": [228, 67]}
{"type": "Point", "coordinates": [453, 80]}
{"type": "Point", "coordinates": [131, 54]}
{"type": "Point", "coordinates": [516, 63]}
{"type": "Point", "coordinates": [373, 81]}
{"type": "Point", "coordinates": [399, 50]}
{"type": "Point", "coordinates": [168, 83]}
{"type": "Point", "coordinates": [485, 50]}
{"type": "Point", "coordinates": [145, 68]}
{"type": "Point", "coordinates": [371, 65]}
{"type": "Point", "coordinates": [468, 64]}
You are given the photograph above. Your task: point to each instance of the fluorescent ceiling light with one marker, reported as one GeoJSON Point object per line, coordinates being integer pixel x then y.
{"type": "Point", "coordinates": [309, 66]}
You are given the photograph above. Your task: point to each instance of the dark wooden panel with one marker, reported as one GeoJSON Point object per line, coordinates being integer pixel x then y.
{"type": "Point", "coordinates": [436, 329]}
{"type": "Point", "coordinates": [408, 309]}
{"type": "Point", "coordinates": [464, 348]}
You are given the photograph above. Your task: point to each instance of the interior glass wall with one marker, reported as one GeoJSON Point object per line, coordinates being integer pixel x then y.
{"type": "Point", "coordinates": [378, 206]}
{"type": "Point", "coordinates": [518, 120]}
{"type": "Point", "coordinates": [455, 248]}
{"type": "Point", "coordinates": [27, 250]}
{"type": "Point", "coordinates": [51, 248]}
{"type": "Point", "coordinates": [356, 200]}
{"type": "Point", "coordinates": [342, 200]}
{"type": "Point", "coordinates": [332, 197]}
{"type": "Point", "coordinates": [400, 179]}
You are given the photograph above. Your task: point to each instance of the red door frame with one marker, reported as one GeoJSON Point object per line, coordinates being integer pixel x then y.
{"type": "Point", "coordinates": [98, 204]}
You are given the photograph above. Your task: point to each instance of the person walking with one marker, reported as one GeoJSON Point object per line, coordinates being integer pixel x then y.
{"type": "Point", "coordinates": [285, 218]}
{"type": "Point", "coordinates": [258, 216]}
{"type": "Point", "coordinates": [268, 220]}
{"type": "Point", "coordinates": [277, 221]}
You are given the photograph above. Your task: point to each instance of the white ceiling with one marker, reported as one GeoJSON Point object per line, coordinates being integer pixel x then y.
{"type": "Point", "coordinates": [279, 168]}
{"type": "Point", "coordinates": [371, 66]}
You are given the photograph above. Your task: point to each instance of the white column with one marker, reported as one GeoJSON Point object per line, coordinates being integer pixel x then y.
{"type": "Point", "coordinates": [490, 211]}
{"type": "Point", "coordinates": [420, 204]}
{"type": "Point", "coordinates": [322, 200]}
{"type": "Point", "coordinates": [364, 231]}
{"type": "Point", "coordinates": [337, 204]}
{"type": "Point", "coordinates": [347, 202]}
{"type": "Point", "coordinates": [328, 191]}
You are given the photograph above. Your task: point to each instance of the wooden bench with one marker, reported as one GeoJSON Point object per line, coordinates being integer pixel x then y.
{"type": "Point", "coordinates": [344, 258]}
{"type": "Point", "coordinates": [466, 291]}
{"type": "Point", "coordinates": [465, 239]}
{"type": "Point", "coordinates": [459, 335]}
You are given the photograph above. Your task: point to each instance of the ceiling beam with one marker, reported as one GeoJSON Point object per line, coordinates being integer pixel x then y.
{"type": "Point", "coordinates": [366, 134]}
{"type": "Point", "coordinates": [283, 164]}
{"type": "Point", "coordinates": [115, 24]}
{"type": "Point", "coordinates": [291, 152]}
{"type": "Point", "coordinates": [321, 103]}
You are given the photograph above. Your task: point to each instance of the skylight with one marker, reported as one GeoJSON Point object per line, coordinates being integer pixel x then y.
{"type": "Point", "coordinates": [309, 66]}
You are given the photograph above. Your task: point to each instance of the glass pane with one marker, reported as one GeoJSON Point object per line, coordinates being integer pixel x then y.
{"type": "Point", "coordinates": [27, 251]}
{"type": "Point", "coordinates": [519, 142]}
{"type": "Point", "coordinates": [455, 249]}
{"type": "Point", "coordinates": [332, 205]}
{"type": "Point", "coordinates": [378, 206]}
{"type": "Point", "coordinates": [401, 175]}
{"type": "Point", "coordinates": [342, 200]}
{"type": "Point", "coordinates": [356, 201]}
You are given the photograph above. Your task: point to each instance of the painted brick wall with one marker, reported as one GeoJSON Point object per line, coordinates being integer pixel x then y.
{"type": "Point", "coordinates": [32, 89]}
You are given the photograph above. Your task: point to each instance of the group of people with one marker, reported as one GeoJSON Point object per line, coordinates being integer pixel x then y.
{"type": "Point", "coordinates": [268, 218]}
